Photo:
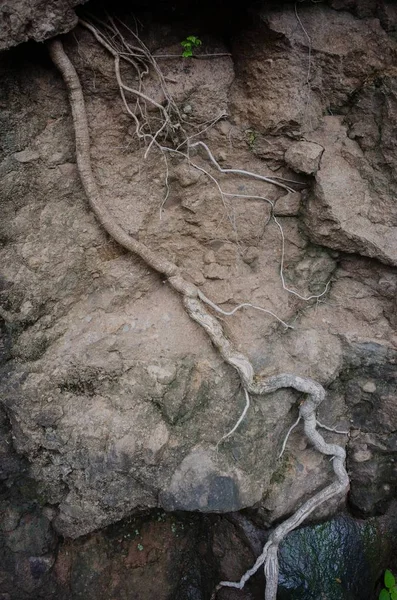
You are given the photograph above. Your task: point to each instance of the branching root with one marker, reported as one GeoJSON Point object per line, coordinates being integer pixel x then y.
{"type": "Point", "coordinates": [139, 57]}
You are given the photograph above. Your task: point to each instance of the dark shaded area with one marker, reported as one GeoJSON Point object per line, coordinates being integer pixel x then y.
{"type": "Point", "coordinates": [369, 383]}
{"type": "Point", "coordinates": [338, 560]}
{"type": "Point", "coordinates": [182, 556]}
{"type": "Point", "coordinates": [220, 16]}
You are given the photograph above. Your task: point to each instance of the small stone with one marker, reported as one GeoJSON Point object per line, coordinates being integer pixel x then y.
{"type": "Point", "coordinates": [224, 127]}
{"type": "Point", "coordinates": [250, 255]}
{"type": "Point", "coordinates": [68, 169]}
{"type": "Point", "coordinates": [26, 156]}
{"type": "Point", "coordinates": [186, 175]}
{"type": "Point", "coordinates": [57, 158]}
{"type": "Point", "coordinates": [369, 387]}
{"type": "Point", "coordinates": [156, 442]}
{"type": "Point", "coordinates": [49, 512]}
{"type": "Point", "coordinates": [215, 271]}
{"type": "Point", "coordinates": [26, 308]}
{"type": "Point", "coordinates": [288, 205]}
{"type": "Point", "coordinates": [304, 157]}
{"type": "Point", "coordinates": [40, 565]}
{"type": "Point", "coordinates": [354, 433]}
{"type": "Point", "coordinates": [226, 255]}
{"type": "Point", "coordinates": [362, 455]}
{"type": "Point", "coordinates": [10, 519]}
{"type": "Point", "coordinates": [187, 109]}
{"type": "Point", "coordinates": [196, 276]}
{"type": "Point", "coordinates": [34, 262]}
{"type": "Point", "coordinates": [209, 257]}
{"type": "Point", "coordinates": [218, 291]}
{"type": "Point", "coordinates": [163, 375]}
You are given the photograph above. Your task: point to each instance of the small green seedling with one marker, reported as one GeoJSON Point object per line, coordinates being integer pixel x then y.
{"type": "Point", "coordinates": [189, 44]}
{"type": "Point", "coordinates": [251, 137]}
{"type": "Point", "coordinates": [389, 592]}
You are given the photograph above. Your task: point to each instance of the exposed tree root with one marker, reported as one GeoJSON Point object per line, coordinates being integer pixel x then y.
{"type": "Point", "coordinates": [193, 303]}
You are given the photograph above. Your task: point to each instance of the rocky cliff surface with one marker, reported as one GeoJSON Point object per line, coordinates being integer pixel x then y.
{"type": "Point", "coordinates": [113, 399]}
{"type": "Point", "coordinates": [37, 20]}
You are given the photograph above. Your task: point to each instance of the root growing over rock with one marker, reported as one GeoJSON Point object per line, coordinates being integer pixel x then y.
{"type": "Point", "coordinates": [194, 303]}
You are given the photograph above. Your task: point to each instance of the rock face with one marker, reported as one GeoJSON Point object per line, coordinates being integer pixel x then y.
{"type": "Point", "coordinates": [371, 383]}
{"type": "Point", "coordinates": [113, 399]}
{"type": "Point", "coordinates": [345, 547]}
{"type": "Point", "coordinates": [23, 20]}
{"type": "Point", "coordinates": [351, 208]}
{"type": "Point", "coordinates": [304, 157]}
{"type": "Point", "coordinates": [183, 556]}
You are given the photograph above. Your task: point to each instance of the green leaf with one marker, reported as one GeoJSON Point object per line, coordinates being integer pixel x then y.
{"type": "Point", "coordinates": [194, 40]}
{"type": "Point", "coordinates": [393, 593]}
{"type": "Point", "coordinates": [186, 44]}
{"type": "Point", "coordinates": [187, 53]}
{"type": "Point", "coordinates": [384, 595]}
{"type": "Point", "coordinates": [390, 580]}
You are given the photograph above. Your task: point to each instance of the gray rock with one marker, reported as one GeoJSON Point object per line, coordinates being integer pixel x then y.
{"type": "Point", "coordinates": [338, 213]}
{"type": "Point", "coordinates": [288, 205]}
{"type": "Point", "coordinates": [337, 559]}
{"type": "Point", "coordinates": [33, 535]}
{"type": "Point", "coordinates": [304, 157]}
{"type": "Point", "coordinates": [109, 386]}
{"type": "Point", "coordinates": [26, 156]}
{"type": "Point", "coordinates": [23, 20]}
{"type": "Point", "coordinates": [370, 381]}
{"type": "Point", "coordinates": [201, 484]}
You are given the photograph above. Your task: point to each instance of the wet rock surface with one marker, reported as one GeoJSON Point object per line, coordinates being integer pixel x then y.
{"type": "Point", "coordinates": [183, 556]}
{"type": "Point", "coordinates": [342, 558]}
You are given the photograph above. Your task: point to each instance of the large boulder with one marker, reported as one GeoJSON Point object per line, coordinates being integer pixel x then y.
{"type": "Point", "coordinates": [350, 208]}
{"type": "Point", "coordinates": [38, 20]}
{"type": "Point", "coordinates": [116, 399]}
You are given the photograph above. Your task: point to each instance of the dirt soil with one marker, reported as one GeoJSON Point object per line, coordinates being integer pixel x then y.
{"type": "Point", "coordinates": [113, 399]}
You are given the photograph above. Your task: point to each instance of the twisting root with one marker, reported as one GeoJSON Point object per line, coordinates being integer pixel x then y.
{"type": "Point", "coordinates": [197, 311]}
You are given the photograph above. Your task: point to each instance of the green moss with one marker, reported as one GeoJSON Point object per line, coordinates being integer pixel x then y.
{"type": "Point", "coordinates": [280, 473]}
{"type": "Point", "coordinates": [251, 136]}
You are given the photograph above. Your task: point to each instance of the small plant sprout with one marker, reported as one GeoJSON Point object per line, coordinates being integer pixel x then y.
{"type": "Point", "coordinates": [389, 592]}
{"type": "Point", "coordinates": [251, 137]}
{"type": "Point", "coordinates": [189, 44]}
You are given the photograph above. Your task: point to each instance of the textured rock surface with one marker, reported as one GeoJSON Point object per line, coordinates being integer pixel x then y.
{"type": "Point", "coordinates": [371, 385]}
{"type": "Point", "coordinates": [350, 558]}
{"type": "Point", "coordinates": [351, 208]}
{"type": "Point", "coordinates": [114, 398]}
{"type": "Point", "coordinates": [182, 557]}
{"type": "Point", "coordinates": [304, 157]}
{"type": "Point", "coordinates": [23, 20]}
